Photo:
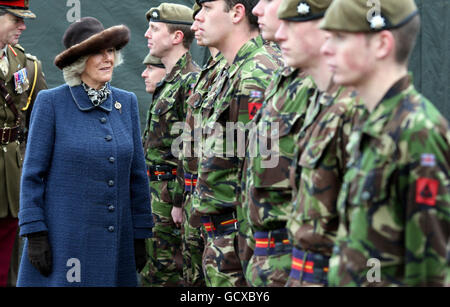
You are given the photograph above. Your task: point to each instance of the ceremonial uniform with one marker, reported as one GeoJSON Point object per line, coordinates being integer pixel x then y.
{"type": "Point", "coordinates": [168, 108]}
{"type": "Point", "coordinates": [234, 100]}
{"type": "Point", "coordinates": [394, 205]}
{"type": "Point", "coordinates": [21, 78]}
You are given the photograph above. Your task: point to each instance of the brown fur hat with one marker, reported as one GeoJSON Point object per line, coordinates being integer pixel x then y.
{"type": "Point", "coordinates": [88, 36]}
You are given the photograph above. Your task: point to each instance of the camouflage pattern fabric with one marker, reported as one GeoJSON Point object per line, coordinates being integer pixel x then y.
{"type": "Point", "coordinates": [270, 153]}
{"type": "Point", "coordinates": [320, 164]}
{"type": "Point", "coordinates": [221, 265]}
{"type": "Point", "coordinates": [234, 99]}
{"type": "Point", "coordinates": [192, 240]}
{"type": "Point", "coordinates": [167, 108]}
{"type": "Point", "coordinates": [394, 206]}
{"type": "Point", "coordinates": [268, 271]}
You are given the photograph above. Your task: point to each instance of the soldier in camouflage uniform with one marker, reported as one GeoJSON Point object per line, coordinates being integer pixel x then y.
{"type": "Point", "coordinates": [234, 99]}
{"type": "Point", "coordinates": [267, 197]}
{"type": "Point", "coordinates": [169, 37]}
{"type": "Point", "coordinates": [394, 205]}
{"type": "Point", "coordinates": [322, 105]}
{"type": "Point", "coordinates": [193, 240]}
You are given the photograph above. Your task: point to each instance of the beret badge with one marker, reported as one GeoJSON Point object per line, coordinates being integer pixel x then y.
{"type": "Point", "coordinates": [377, 22]}
{"type": "Point", "coordinates": [303, 8]}
{"type": "Point", "coordinates": [155, 15]}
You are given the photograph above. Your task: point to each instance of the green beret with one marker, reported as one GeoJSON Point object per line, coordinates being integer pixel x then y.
{"type": "Point", "coordinates": [154, 61]}
{"type": "Point", "coordinates": [171, 13]}
{"type": "Point", "coordinates": [302, 10]}
{"type": "Point", "coordinates": [366, 16]}
{"type": "Point", "coordinates": [196, 8]}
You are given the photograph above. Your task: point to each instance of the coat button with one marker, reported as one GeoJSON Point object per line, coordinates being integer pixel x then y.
{"type": "Point", "coordinates": [103, 120]}
{"type": "Point", "coordinates": [111, 208]}
{"type": "Point", "coordinates": [108, 138]}
{"type": "Point", "coordinates": [111, 159]}
{"type": "Point", "coordinates": [111, 228]}
{"type": "Point", "coordinates": [111, 183]}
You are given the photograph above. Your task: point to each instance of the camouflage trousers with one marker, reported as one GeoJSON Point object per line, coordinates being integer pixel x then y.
{"type": "Point", "coordinates": [193, 245]}
{"type": "Point", "coordinates": [221, 263]}
{"type": "Point", "coordinates": [246, 241]}
{"type": "Point", "coordinates": [164, 266]}
{"type": "Point", "coordinates": [269, 271]}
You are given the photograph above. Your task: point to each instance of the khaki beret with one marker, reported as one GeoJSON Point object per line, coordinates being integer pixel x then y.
{"type": "Point", "coordinates": [368, 16]}
{"type": "Point", "coordinates": [171, 13]}
{"type": "Point", "coordinates": [302, 10]}
{"type": "Point", "coordinates": [196, 8]}
{"type": "Point", "coordinates": [152, 60]}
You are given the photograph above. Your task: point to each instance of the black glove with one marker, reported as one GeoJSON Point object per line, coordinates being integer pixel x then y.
{"type": "Point", "coordinates": [39, 252]}
{"type": "Point", "coordinates": [140, 254]}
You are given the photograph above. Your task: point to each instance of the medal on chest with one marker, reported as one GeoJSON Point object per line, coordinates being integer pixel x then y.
{"type": "Point", "coordinates": [21, 81]}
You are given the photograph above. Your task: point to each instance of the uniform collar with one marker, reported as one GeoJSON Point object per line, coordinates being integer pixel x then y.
{"type": "Point", "coordinates": [384, 110]}
{"type": "Point", "coordinates": [81, 99]}
{"type": "Point", "coordinates": [179, 67]}
{"type": "Point", "coordinates": [243, 53]}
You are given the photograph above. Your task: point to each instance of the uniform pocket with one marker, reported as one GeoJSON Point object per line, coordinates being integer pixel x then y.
{"type": "Point", "coordinates": [274, 152]}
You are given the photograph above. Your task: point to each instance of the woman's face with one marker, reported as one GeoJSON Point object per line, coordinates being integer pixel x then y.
{"type": "Point", "coordinates": [99, 68]}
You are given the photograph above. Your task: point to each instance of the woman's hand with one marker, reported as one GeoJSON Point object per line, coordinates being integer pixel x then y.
{"type": "Point", "coordinates": [39, 252]}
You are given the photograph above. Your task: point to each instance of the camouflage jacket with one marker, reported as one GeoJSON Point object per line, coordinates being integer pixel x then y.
{"type": "Point", "coordinates": [320, 166]}
{"type": "Point", "coordinates": [233, 101]}
{"type": "Point", "coordinates": [192, 130]}
{"type": "Point", "coordinates": [394, 205]}
{"type": "Point", "coordinates": [271, 148]}
{"type": "Point", "coordinates": [167, 109]}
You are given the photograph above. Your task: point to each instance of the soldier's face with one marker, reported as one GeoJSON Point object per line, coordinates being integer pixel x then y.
{"type": "Point", "coordinates": [198, 37]}
{"type": "Point", "coordinates": [300, 42]}
{"type": "Point", "coordinates": [11, 27]}
{"type": "Point", "coordinates": [268, 22]}
{"type": "Point", "coordinates": [152, 75]}
{"type": "Point", "coordinates": [99, 68]}
{"type": "Point", "coordinates": [159, 40]}
{"type": "Point", "coordinates": [213, 23]}
{"type": "Point", "coordinates": [349, 57]}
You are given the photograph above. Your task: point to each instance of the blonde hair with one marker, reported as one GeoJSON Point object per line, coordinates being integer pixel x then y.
{"type": "Point", "coordinates": [72, 73]}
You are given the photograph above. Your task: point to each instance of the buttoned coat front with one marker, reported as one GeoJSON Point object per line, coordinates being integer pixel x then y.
{"type": "Point", "coordinates": [84, 181]}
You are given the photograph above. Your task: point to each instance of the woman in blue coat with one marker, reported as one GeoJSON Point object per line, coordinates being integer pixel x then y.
{"type": "Point", "coordinates": [85, 203]}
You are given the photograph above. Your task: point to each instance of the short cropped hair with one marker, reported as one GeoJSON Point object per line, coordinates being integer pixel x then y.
{"type": "Point", "coordinates": [249, 5]}
{"type": "Point", "coordinates": [187, 33]}
{"type": "Point", "coordinates": [405, 39]}
{"type": "Point", "coordinates": [72, 73]}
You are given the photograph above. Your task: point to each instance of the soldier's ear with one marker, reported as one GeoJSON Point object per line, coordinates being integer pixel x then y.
{"type": "Point", "coordinates": [178, 37]}
{"type": "Point", "coordinates": [384, 45]}
{"type": "Point", "coordinates": [237, 13]}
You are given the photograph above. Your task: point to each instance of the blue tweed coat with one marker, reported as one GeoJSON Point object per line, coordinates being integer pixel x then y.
{"type": "Point", "coordinates": [84, 181]}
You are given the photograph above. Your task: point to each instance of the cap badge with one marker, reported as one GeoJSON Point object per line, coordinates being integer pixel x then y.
{"type": "Point", "coordinates": [303, 8]}
{"type": "Point", "coordinates": [155, 14]}
{"type": "Point", "coordinates": [377, 22]}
